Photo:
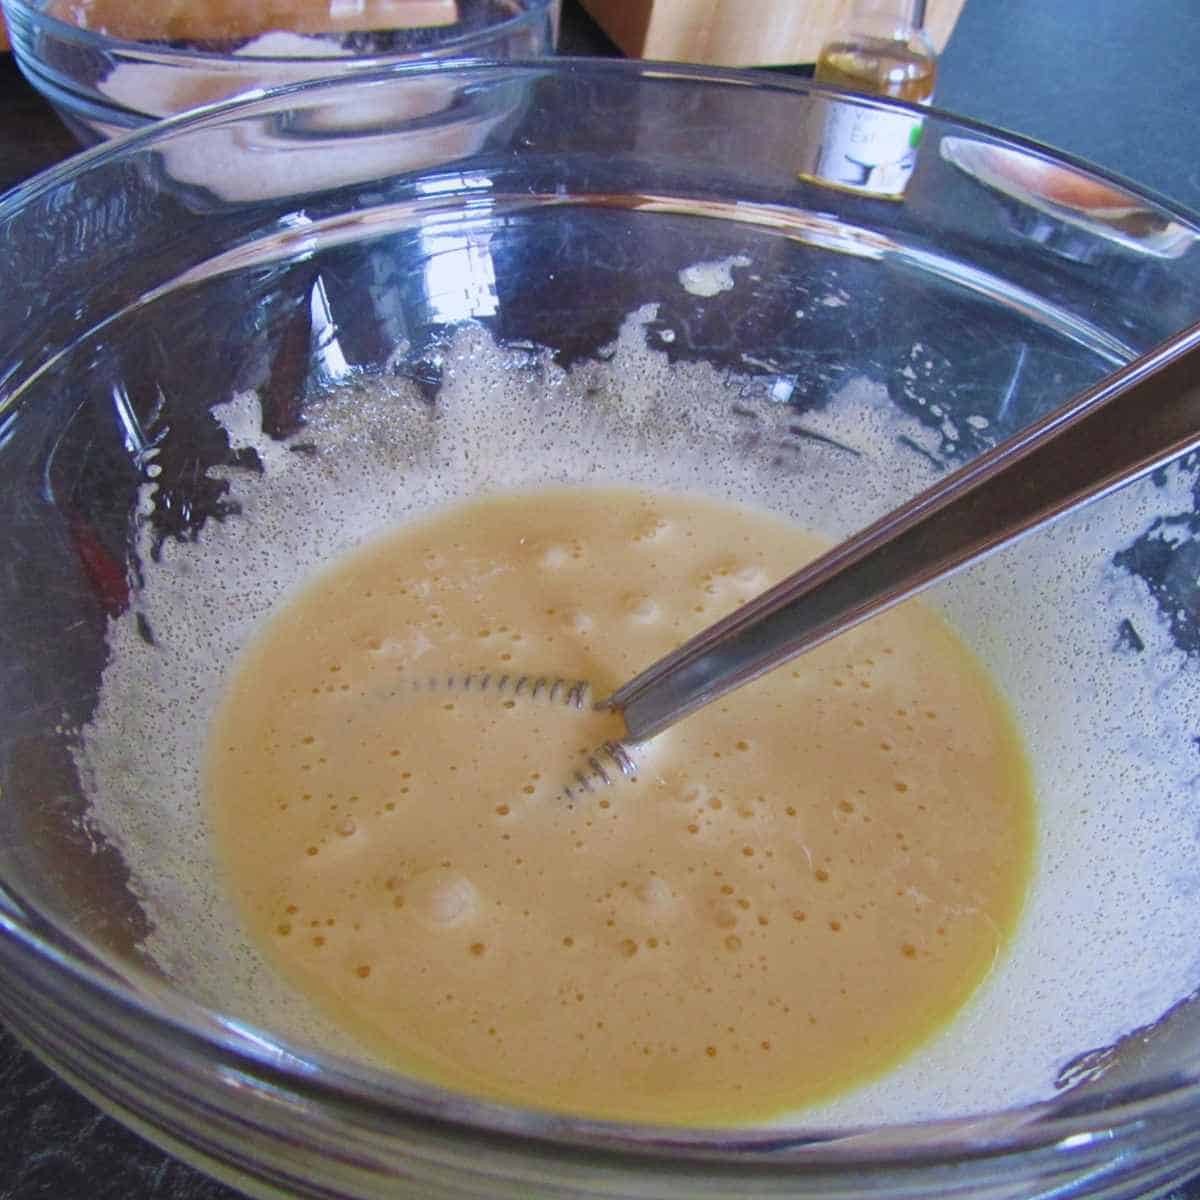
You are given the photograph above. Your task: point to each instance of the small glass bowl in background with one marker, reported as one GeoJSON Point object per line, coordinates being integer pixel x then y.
{"type": "Point", "coordinates": [111, 68]}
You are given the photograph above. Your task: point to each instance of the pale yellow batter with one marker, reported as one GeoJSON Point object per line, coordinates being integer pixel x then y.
{"type": "Point", "coordinates": [806, 881]}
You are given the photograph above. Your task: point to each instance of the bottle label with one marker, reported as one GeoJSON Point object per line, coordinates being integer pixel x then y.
{"type": "Point", "coordinates": [867, 150]}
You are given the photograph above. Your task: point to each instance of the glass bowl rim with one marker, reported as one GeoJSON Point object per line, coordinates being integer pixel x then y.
{"type": "Point", "coordinates": [1051, 1123]}
{"type": "Point", "coordinates": [254, 101]}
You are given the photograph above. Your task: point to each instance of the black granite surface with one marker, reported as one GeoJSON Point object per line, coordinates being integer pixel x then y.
{"type": "Point", "coordinates": [1113, 81]}
{"type": "Point", "coordinates": [1110, 80]}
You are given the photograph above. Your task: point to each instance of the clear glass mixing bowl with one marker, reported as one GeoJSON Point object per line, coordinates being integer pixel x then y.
{"type": "Point", "coordinates": [374, 241]}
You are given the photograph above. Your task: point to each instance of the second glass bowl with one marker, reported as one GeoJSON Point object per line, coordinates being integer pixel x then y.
{"type": "Point", "coordinates": [109, 66]}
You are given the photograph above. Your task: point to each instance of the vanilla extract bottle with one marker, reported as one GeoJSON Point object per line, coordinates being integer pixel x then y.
{"type": "Point", "coordinates": [881, 49]}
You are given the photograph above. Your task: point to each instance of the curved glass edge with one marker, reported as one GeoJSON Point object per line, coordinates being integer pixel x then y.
{"type": "Point", "coordinates": [264, 101]}
{"type": "Point", "coordinates": [427, 212]}
{"type": "Point", "coordinates": [103, 1002]}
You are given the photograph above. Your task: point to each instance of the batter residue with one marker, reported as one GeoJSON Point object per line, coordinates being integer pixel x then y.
{"type": "Point", "coordinates": [805, 883]}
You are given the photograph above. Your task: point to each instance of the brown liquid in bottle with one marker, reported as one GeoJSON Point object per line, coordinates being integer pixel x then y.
{"type": "Point", "coordinates": [879, 66]}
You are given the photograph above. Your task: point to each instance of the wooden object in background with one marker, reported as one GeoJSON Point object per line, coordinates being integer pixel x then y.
{"type": "Point", "coordinates": [738, 33]}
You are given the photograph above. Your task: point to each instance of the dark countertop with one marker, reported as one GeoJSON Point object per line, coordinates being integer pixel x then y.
{"type": "Point", "coordinates": [1104, 79]}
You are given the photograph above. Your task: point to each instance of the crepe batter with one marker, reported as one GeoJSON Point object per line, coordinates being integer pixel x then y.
{"type": "Point", "coordinates": [806, 881]}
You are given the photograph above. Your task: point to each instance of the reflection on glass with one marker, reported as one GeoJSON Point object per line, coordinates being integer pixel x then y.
{"type": "Point", "coordinates": [460, 276]}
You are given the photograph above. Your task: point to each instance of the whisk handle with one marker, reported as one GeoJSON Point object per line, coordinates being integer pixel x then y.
{"type": "Point", "coordinates": [1127, 425]}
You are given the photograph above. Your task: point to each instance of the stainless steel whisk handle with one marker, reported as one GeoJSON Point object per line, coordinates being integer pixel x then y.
{"type": "Point", "coordinates": [1131, 423]}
